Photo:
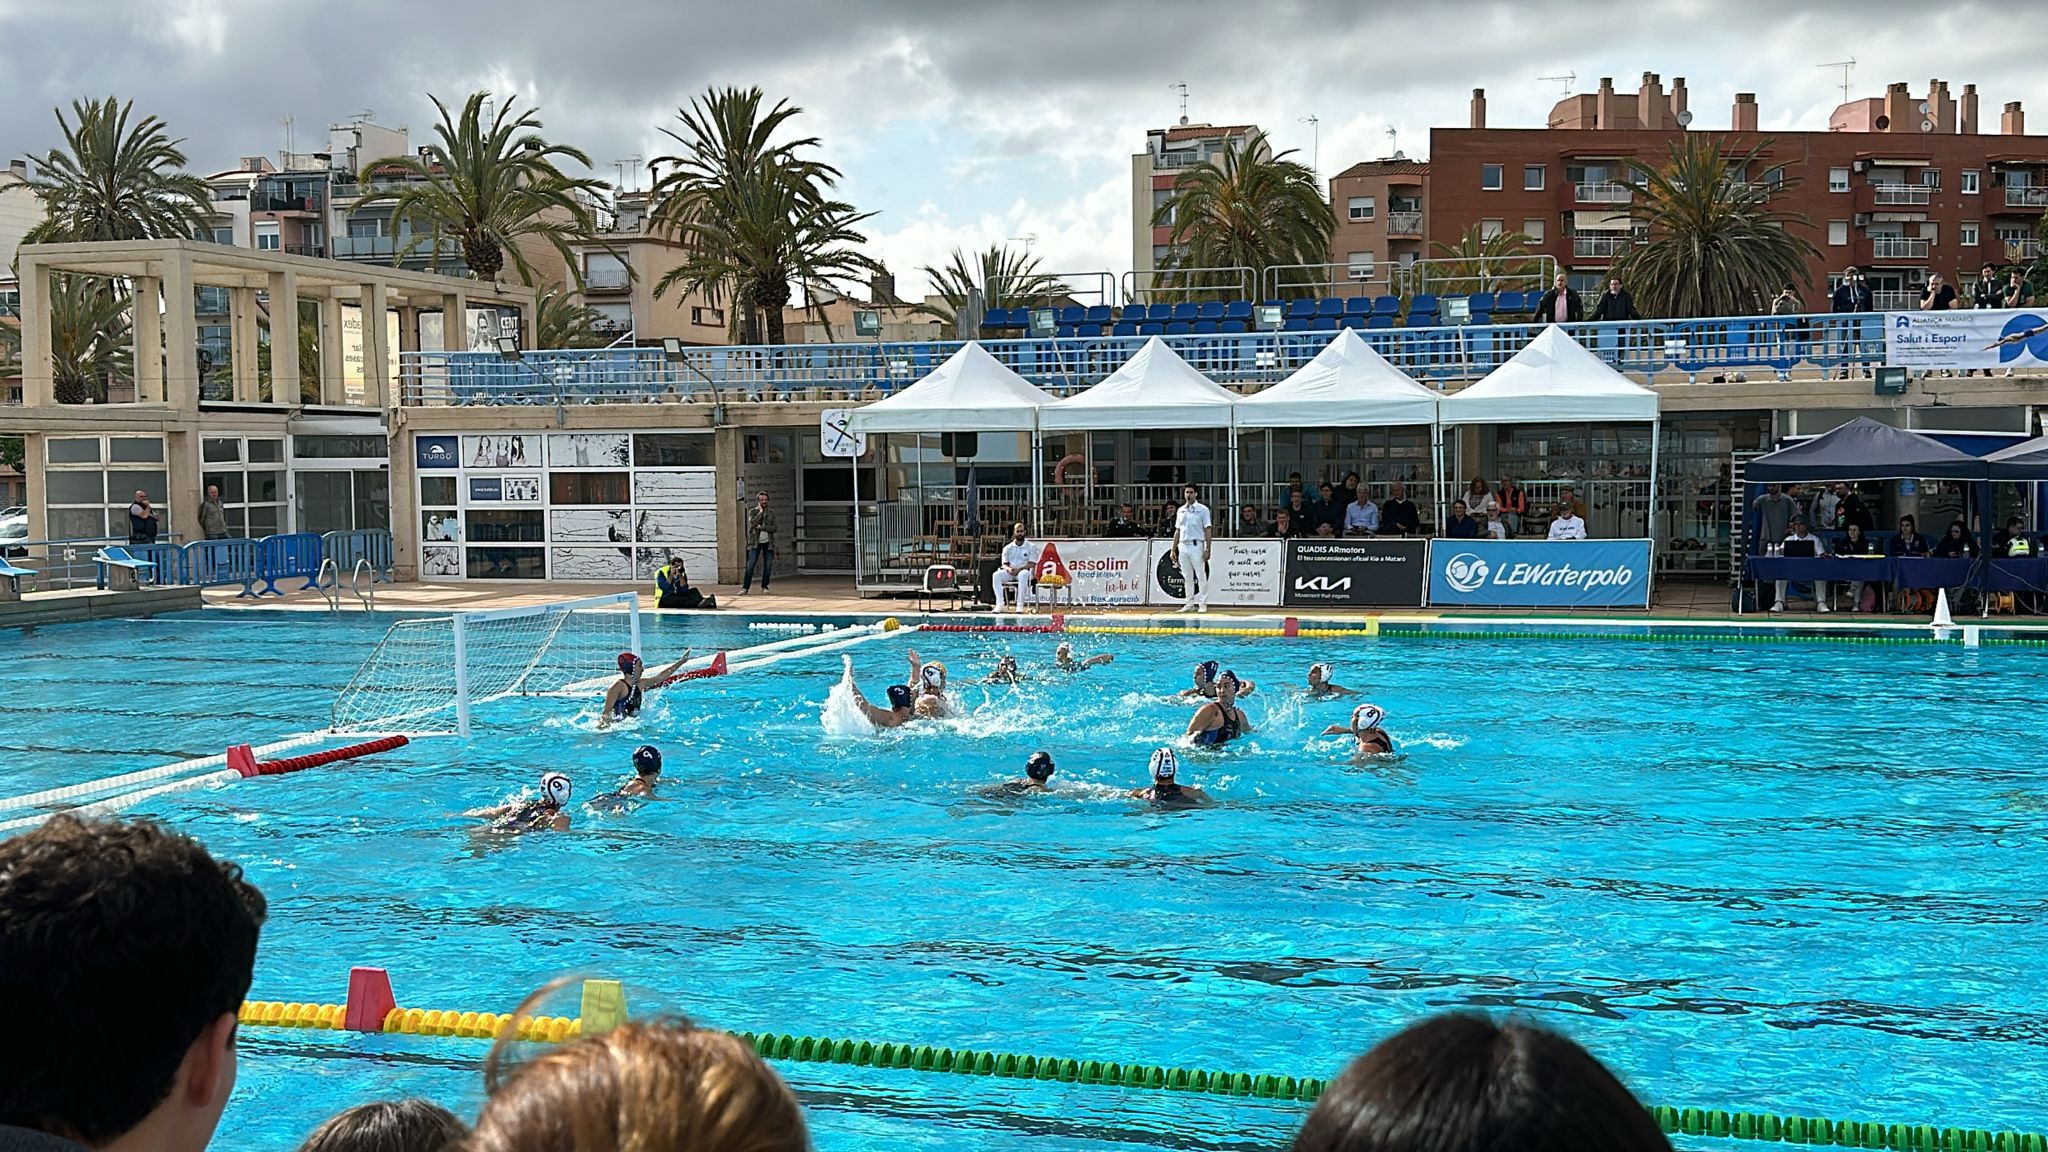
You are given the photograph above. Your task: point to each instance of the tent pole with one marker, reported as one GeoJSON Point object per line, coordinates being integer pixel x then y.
{"type": "Point", "coordinates": [1037, 483]}
{"type": "Point", "coordinates": [857, 586]}
{"type": "Point", "coordinates": [1650, 513]}
{"type": "Point", "coordinates": [1231, 518]}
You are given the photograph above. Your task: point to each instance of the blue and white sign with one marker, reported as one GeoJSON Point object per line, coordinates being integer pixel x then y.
{"type": "Point", "coordinates": [1986, 338]}
{"type": "Point", "coordinates": [436, 452]}
{"type": "Point", "coordinates": [1540, 573]}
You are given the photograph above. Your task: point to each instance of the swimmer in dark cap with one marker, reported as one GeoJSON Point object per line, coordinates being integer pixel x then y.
{"type": "Point", "coordinates": [1365, 729]}
{"type": "Point", "coordinates": [646, 774]}
{"type": "Point", "coordinates": [1038, 772]}
{"type": "Point", "coordinates": [1006, 672]}
{"type": "Point", "coordinates": [901, 709]}
{"type": "Point", "coordinates": [1205, 683]}
{"type": "Point", "coordinates": [1220, 720]}
{"type": "Point", "coordinates": [546, 813]}
{"type": "Point", "coordinates": [623, 698]}
{"type": "Point", "coordinates": [1063, 658]}
{"type": "Point", "coordinates": [1165, 791]}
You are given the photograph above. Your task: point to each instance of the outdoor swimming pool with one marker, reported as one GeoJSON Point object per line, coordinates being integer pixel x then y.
{"type": "Point", "coordinates": [1784, 877]}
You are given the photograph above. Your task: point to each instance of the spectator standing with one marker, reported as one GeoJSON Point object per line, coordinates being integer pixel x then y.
{"type": "Point", "coordinates": [1460, 526]}
{"type": "Point", "coordinates": [1303, 514]}
{"type": "Point", "coordinates": [1801, 544]}
{"type": "Point", "coordinates": [1560, 305]}
{"type": "Point", "coordinates": [1018, 568]}
{"type": "Point", "coordinates": [1514, 504]}
{"type": "Point", "coordinates": [760, 544]}
{"type": "Point", "coordinates": [1787, 302]}
{"type": "Point", "coordinates": [1615, 304]}
{"type": "Point", "coordinates": [1937, 296]}
{"type": "Point", "coordinates": [1347, 491]}
{"type": "Point", "coordinates": [125, 951]}
{"type": "Point", "coordinates": [1191, 550]}
{"type": "Point", "coordinates": [1852, 294]}
{"type": "Point", "coordinates": [1250, 525]}
{"type": "Point", "coordinates": [1124, 525]}
{"type": "Point", "coordinates": [1825, 509]}
{"type": "Point", "coordinates": [213, 519]}
{"type": "Point", "coordinates": [142, 524]}
{"type": "Point", "coordinates": [1567, 524]}
{"type": "Point", "coordinates": [1399, 516]}
{"type": "Point", "coordinates": [1361, 516]}
{"type": "Point", "coordinates": [1987, 292]}
{"type": "Point", "coordinates": [1851, 511]}
{"type": "Point", "coordinates": [1774, 512]}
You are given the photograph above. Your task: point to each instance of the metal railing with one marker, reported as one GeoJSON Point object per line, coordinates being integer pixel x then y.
{"type": "Point", "coordinates": [1404, 223]}
{"type": "Point", "coordinates": [2024, 197]}
{"type": "Point", "coordinates": [2024, 249]}
{"type": "Point", "coordinates": [1898, 248]}
{"type": "Point", "coordinates": [1894, 301]}
{"type": "Point", "coordinates": [1902, 194]}
{"type": "Point", "coordinates": [1603, 192]}
{"type": "Point", "coordinates": [604, 279]}
{"type": "Point", "coordinates": [383, 247]}
{"type": "Point", "coordinates": [1645, 348]}
{"type": "Point", "coordinates": [60, 565]}
{"type": "Point", "coordinates": [1173, 285]}
{"type": "Point", "coordinates": [1599, 246]}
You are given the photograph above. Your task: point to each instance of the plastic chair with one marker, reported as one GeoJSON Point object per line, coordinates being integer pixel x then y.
{"type": "Point", "coordinates": [1386, 306]}
{"type": "Point", "coordinates": [1187, 312]}
{"type": "Point", "coordinates": [1213, 310]}
{"type": "Point", "coordinates": [1297, 324]}
{"type": "Point", "coordinates": [1097, 314]}
{"type": "Point", "coordinates": [1151, 328]}
{"type": "Point", "coordinates": [1178, 327]}
{"type": "Point", "coordinates": [1354, 321]}
{"type": "Point", "coordinates": [1072, 314]}
{"type": "Point", "coordinates": [1358, 306]}
{"type": "Point", "coordinates": [1324, 323]}
{"type": "Point", "coordinates": [1089, 330]}
{"type": "Point", "coordinates": [1423, 303]}
{"type": "Point", "coordinates": [1330, 307]}
{"type": "Point", "coordinates": [1302, 309]}
{"type": "Point", "coordinates": [1479, 302]}
{"type": "Point", "coordinates": [1235, 326]}
{"type": "Point", "coordinates": [1379, 320]}
{"type": "Point", "coordinates": [1206, 327]}
{"type": "Point", "coordinates": [1124, 328]}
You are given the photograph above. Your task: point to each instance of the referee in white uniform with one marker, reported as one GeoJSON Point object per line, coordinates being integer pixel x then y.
{"type": "Point", "coordinates": [1020, 563]}
{"type": "Point", "coordinates": [1191, 549]}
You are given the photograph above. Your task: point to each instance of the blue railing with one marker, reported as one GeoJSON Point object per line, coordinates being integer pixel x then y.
{"type": "Point", "coordinates": [292, 556]}
{"type": "Point", "coordinates": [1647, 349]}
{"type": "Point", "coordinates": [62, 564]}
{"type": "Point", "coordinates": [70, 563]}
{"type": "Point", "coordinates": [345, 548]}
{"type": "Point", "coordinates": [211, 563]}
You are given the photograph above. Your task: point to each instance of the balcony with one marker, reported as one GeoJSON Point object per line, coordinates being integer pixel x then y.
{"type": "Point", "coordinates": [1602, 192]}
{"type": "Point", "coordinates": [606, 280]}
{"type": "Point", "coordinates": [1901, 195]}
{"type": "Point", "coordinates": [1599, 247]}
{"type": "Point", "coordinates": [315, 250]}
{"type": "Point", "coordinates": [2023, 249]}
{"type": "Point", "coordinates": [1899, 248]}
{"type": "Point", "coordinates": [1894, 301]}
{"type": "Point", "coordinates": [268, 201]}
{"type": "Point", "coordinates": [2026, 197]}
{"type": "Point", "coordinates": [1404, 223]}
{"type": "Point", "coordinates": [383, 247]}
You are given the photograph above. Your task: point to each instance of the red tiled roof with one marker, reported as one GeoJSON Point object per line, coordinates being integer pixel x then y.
{"type": "Point", "coordinates": [1383, 167]}
{"type": "Point", "coordinates": [1205, 131]}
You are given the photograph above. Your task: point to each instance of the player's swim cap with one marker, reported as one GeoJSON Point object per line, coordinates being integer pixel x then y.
{"type": "Point", "coordinates": [1230, 676]}
{"type": "Point", "coordinates": [1367, 716]}
{"type": "Point", "coordinates": [647, 760]}
{"type": "Point", "coordinates": [932, 675]}
{"type": "Point", "coordinates": [627, 660]}
{"type": "Point", "coordinates": [1319, 672]}
{"type": "Point", "coordinates": [1164, 765]}
{"type": "Point", "coordinates": [899, 696]}
{"type": "Point", "coordinates": [554, 787]}
{"type": "Point", "coordinates": [1207, 669]}
{"type": "Point", "coordinates": [1039, 767]}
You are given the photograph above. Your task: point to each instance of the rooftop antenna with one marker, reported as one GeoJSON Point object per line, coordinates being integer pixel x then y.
{"type": "Point", "coordinates": [288, 141]}
{"type": "Point", "coordinates": [1315, 147]}
{"type": "Point", "coordinates": [363, 117]}
{"type": "Point", "coordinates": [1181, 86]}
{"type": "Point", "coordinates": [1847, 66]}
{"type": "Point", "coordinates": [1568, 79]}
{"type": "Point", "coordinates": [629, 166]}
{"type": "Point", "coordinates": [1393, 142]}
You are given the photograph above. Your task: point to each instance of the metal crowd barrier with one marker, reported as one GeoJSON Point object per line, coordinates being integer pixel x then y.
{"type": "Point", "coordinates": [64, 564]}
{"type": "Point", "coordinates": [1721, 347]}
{"type": "Point", "coordinates": [345, 548]}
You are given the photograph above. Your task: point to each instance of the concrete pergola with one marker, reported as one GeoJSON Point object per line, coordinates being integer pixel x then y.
{"type": "Point", "coordinates": [177, 267]}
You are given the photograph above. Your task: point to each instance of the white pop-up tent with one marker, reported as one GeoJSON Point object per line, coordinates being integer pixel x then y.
{"type": "Point", "coordinates": [1155, 389]}
{"type": "Point", "coordinates": [1555, 380]}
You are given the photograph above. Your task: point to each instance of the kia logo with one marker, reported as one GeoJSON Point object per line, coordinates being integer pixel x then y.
{"type": "Point", "coordinates": [1322, 584]}
{"type": "Point", "coordinates": [1465, 572]}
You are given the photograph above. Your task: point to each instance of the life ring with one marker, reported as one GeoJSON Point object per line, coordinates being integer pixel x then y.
{"type": "Point", "coordinates": [1059, 470]}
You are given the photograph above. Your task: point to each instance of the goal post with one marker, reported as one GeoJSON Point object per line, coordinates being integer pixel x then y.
{"type": "Point", "coordinates": [427, 676]}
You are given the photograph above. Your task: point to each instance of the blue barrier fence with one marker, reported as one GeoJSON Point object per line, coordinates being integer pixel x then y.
{"type": "Point", "coordinates": [293, 556]}
{"type": "Point", "coordinates": [1646, 349]}
{"type": "Point", "coordinates": [209, 563]}
{"type": "Point", "coordinates": [346, 548]}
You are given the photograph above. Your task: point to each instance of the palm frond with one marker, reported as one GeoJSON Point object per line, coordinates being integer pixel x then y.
{"type": "Point", "coordinates": [116, 181]}
{"type": "Point", "coordinates": [1005, 278]}
{"type": "Point", "coordinates": [1247, 210]}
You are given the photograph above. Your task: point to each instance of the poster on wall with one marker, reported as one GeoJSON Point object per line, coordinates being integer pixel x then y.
{"type": "Point", "coordinates": [1355, 572]}
{"type": "Point", "coordinates": [589, 450]}
{"type": "Point", "coordinates": [511, 450]}
{"type": "Point", "coordinates": [522, 489]}
{"type": "Point", "coordinates": [445, 527]}
{"type": "Point", "coordinates": [2015, 338]}
{"type": "Point", "coordinates": [592, 525]}
{"type": "Point", "coordinates": [1242, 573]}
{"type": "Point", "coordinates": [436, 452]}
{"type": "Point", "coordinates": [590, 564]}
{"type": "Point", "coordinates": [486, 489]}
{"type": "Point", "coordinates": [695, 486]}
{"type": "Point", "coordinates": [678, 525]}
{"type": "Point", "coordinates": [440, 562]}
{"type": "Point", "coordinates": [1101, 571]}
{"type": "Point", "coordinates": [354, 380]}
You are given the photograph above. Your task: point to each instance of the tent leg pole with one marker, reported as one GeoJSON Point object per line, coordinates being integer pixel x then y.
{"type": "Point", "coordinates": [1231, 440]}
{"type": "Point", "coordinates": [1037, 485]}
{"type": "Point", "coordinates": [1650, 513]}
{"type": "Point", "coordinates": [858, 589]}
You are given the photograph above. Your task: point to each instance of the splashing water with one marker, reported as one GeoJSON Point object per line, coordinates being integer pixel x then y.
{"type": "Point", "coordinates": [842, 716]}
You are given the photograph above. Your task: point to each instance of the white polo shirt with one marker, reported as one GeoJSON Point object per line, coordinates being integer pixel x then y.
{"type": "Point", "coordinates": [1567, 528]}
{"type": "Point", "coordinates": [1017, 556]}
{"type": "Point", "coordinates": [1191, 524]}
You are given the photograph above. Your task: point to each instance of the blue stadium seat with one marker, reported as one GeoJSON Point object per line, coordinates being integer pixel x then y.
{"type": "Point", "coordinates": [1073, 314]}
{"type": "Point", "coordinates": [1297, 324]}
{"type": "Point", "coordinates": [1300, 310]}
{"type": "Point", "coordinates": [1358, 306]}
{"type": "Point", "coordinates": [1479, 302]}
{"type": "Point", "coordinates": [1238, 310]}
{"type": "Point", "coordinates": [1097, 314]}
{"type": "Point", "coordinates": [1324, 324]}
{"type": "Point", "coordinates": [1124, 328]}
{"type": "Point", "coordinates": [1065, 330]}
{"type": "Point", "coordinates": [1379, 320]}
{"type": "Point", "coordinates": [996, 318]}
{"type": "Point", "coordinates": [1186, 312]}
{"type": "Point", "coordinates": [1151, 328]}
{"type": "Point", "coordinates": [1421, 319]}
{"type": "Point", "coordinates": [1512, 302]}
{"type": "Point", "coordinates": [1089, 330]}
{"type": "Point", "coordinates": [1422, 303]}
{"type": "Point", "coordinates": [1133, 314]}
{"type": "Point", "coordinates": [1481, 318]}
{"type": "Point", "coordinates": [1353, 321]}
{"type": "Point", "coordinates": [1329, 308]}
{"type": "Point", "coordinates": [1236, 326]}
{"type": "Point", "coordinates": [1386, 306]}
{"type": "Point", "coordinates": [1178, 327]}
{"type": "Point", "coordinates": [1212, 310]}
{"type": "Point", "coordinates": [1205, 327]}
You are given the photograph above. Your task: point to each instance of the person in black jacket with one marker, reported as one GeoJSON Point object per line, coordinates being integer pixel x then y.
{"type": "Point", "coordinates": [1559, 305]}
{"type": "Point", "coordinates": [1852, 294]}
{"type": "Point", "coordinates": [1615, 304]}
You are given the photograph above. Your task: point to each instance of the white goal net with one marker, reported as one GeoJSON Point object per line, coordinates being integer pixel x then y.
{"type": "Point", "coordinates": [427, 676]}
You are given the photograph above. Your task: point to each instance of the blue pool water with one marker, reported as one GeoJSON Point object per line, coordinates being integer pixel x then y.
{"type": "Point", "coordinates": [1777, 877]}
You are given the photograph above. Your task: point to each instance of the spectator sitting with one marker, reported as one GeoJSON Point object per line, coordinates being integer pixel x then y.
{"type": "Point", "coordinates": [1348, 490]}
{"type": "Point", "coordinates": [1250, 525]}
{"type": "Point", "coordinates": [1801, 544]}
{"type": "Point", "coordinates": [1514, 504]}
{"type": "Point", "coordinates": [1398, 516]}
{"type": "Point", "coordinates": [1850, 509]}
{"type": "Point", "coordinates": [1361, 516]}
{"type": "Point", "coordinates": [1285, 526]}
{"type": "Point", "coordinates": [1495, 526]}
{"type": "Point", "coordinates": [2018, 293]}
{"type": "Point", "coordinates": [1855, 543]}
{"type": "Point", "coordinates": [1294, 485]}
{"type": "Point", "coordinates": [1774, 512]}
{"type": "Point", "coordinates": [1328, 509]}
{"type": "Point", "coordinates": [1908, 542]}
{"type": "Point", "coordinates": [1124, 525]}
{"type": "Point", "coordinates": [1459, 1083]}
{"type": "Point", "coordinates": [1571, 497]}
{"type": "Point", "coordinates": [1615, 304]}
{"type": "Point", "coordinates": [645, 1087]}
{"type": "Point", "coordinates": [1301, 513]}
{"type": "Point", "coordinates": [2015, 531]}
{"type": "Point", "coordinates": [411, 1125]}
{"type": "Point", "coordinates": [1566, 523]}
{"type": "Point", "coordinates": [1560, 305]}
{"type": "Point", "coordinates": [1460, 526]}
{"type": "Point", "coordinates": [672, 587]}
{"type": "Point", "coordinates": [125, 952]}
{"type": "Point", "coordinates": [1955, 544]}
{"type": "Point", "coordinates": [1168, 513]}
{"type": "Point", "coordinates": [1323, 528]}
{"type": "Point", "coordinates": [1478, 499]}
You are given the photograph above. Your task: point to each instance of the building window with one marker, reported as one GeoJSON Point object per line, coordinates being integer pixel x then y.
{"type": "Point", "coordinates": [1488, 229]}
{"type": "Point", "coordinates": [707, 316]}
{"type": "Point", "coordinates": [266, 237]}
{"type": "Point", "coordinates": [1532, 178]}
{"type": "Point", "coordinates": [1533, 229]}
{"type": "Point", "coordinates": [1968, 187]}
{"type": "Point", "coordinates": [1359, 265]}
{"type": "Point", "coordinates": [1838, 233]}
{"type": "Point", "coordinates": [1838, 179]}
{"type": "Point", "coordinates": [365, 229]}
{"type": "Point", "coordinates": [1966, 235]}
{"type": "Point", "coordinates": [1489, 177]}
{"type": "Point", "coordinates": [1930, 177]}
{"type": "Point", "coordinates": [1361, 207]}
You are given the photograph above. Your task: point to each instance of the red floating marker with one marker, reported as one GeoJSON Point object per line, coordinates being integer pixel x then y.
{"type": "Point", "coordinates": [1290, 627]}
{"type": "Point", "coordinates": [715, 668]}
{"type": "Point", "coordinates": [316, 759]}
{"type": "Point", "coordinates": [1059, 622]}
{"type": "Point", "coordinates": [369, 1000]}
{"type": "Point", "coordinates": [242, 759]}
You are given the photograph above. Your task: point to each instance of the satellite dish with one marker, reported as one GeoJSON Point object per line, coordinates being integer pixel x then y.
{"type": "Point", "coordinates": [1924, 109]}
{"type": "Point", "coordinates": [1685, 119]}
{"type": "Point", "coordinates": [1882, 123]}
{"type": "Point", "coordinates": [1927, 125]}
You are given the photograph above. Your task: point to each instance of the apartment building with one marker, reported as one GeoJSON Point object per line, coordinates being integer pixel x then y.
{"type": "Point", "coordinates": [1382, 219]}
{"type": "Point", "coordinates": [1168, 152]}
{"type": "Point", "coordinates": [621, 267]}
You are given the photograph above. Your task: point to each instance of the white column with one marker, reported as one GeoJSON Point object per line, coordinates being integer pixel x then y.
{"type": "Point", "coordinates": [148, 330]}
{"type": "Point", "coordinates": [376, 350]}
{"type": "Point", "coordinates": [38, 376]}
{"type": "Point", "coordinates": [284, 337]}
{"type": "Point", "coordinates": [181, 334]}
{"type": "Point", "coordinates": [242, 356]}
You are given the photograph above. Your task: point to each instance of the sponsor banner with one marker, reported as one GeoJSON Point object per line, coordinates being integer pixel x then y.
{"type": "Point", "coordinates": [1991, 338]}
{"type": "Point", "coordinates": [436, 451]}
{"type": "Point", "coordinates": [1099, 571]}
{"type": "Point", "coordinates": [1242, 574]}
{"type": "Point", "coordinates": [1540, 573]}
{"type": "Point", "coordinates": [1355, 572]}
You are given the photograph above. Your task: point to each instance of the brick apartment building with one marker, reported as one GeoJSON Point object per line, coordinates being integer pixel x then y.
{"type": "Point", "coordinates": [1168, 151]}
{"type": "Point", "coordinates": [1902, 186]}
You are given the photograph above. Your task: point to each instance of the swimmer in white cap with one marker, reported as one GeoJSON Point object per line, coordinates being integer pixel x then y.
{"type": "Point", "coordinates": [1165, 790]}
{"type": "Point", "coordinates": [1365, 728]}
{"type": "Point", "coordinates": [1063, 658]}
{"type": "Point", "coordinates": [928, 681]}
{"type": "Point", "coordinates": [547, 812]}
{"type": "Point", "coordinates": [1006, 672]}
{"type": "Point", "coordinates": [1321, 687]}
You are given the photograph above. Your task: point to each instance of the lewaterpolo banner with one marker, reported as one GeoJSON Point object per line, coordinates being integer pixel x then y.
{"type": "Point", "coordinates": [1242, 573]}
{"type": "Point", "coordinates": [1540, 573]}
{"type": "Point", "coordinates": [1102, 571]}
{"type": "Point", "coordinates": [1991, 338]}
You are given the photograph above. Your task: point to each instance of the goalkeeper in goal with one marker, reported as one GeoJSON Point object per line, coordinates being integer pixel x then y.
{"type": "Point", "coordinates": [623, 698]}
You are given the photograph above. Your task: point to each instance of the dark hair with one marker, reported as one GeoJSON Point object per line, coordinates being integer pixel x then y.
{"type": "Point", "coordinates": [409, 1125]}
{"type": "Point", "coordinates": [112, 929]}
{"type": "Point", "coordinates": [1460, 1083]}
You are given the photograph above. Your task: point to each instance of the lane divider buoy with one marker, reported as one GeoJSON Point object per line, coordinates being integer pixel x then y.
{"type": "Point", "coordinates": [717, 667]}
{"type": "Point", "coordinates": [243, 760]}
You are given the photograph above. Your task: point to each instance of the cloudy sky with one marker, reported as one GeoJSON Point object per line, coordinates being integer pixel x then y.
{"type": "Point", "coordinates": [974, 123]}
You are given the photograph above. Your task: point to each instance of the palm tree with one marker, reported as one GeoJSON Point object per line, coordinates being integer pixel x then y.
{"type": "Point", "coordinates": [89, 338]}
{"type": "Point", "coordinates": [1005, 278]}
{"type": "Point", "coordinates": [564, 322]}
{"type": "Point", "coordinates": [1716, 247]}
{"type": "Point", "coordinates": [1480, 262]}
{"type": "Point", "coordinates": [116, 181]}
{"type": "Point", "coordinates": [753, 212]}
{"type": "Point", "coordinates": [1251, 210]}
{"type": "Point", "coordinates": [489, 186]}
